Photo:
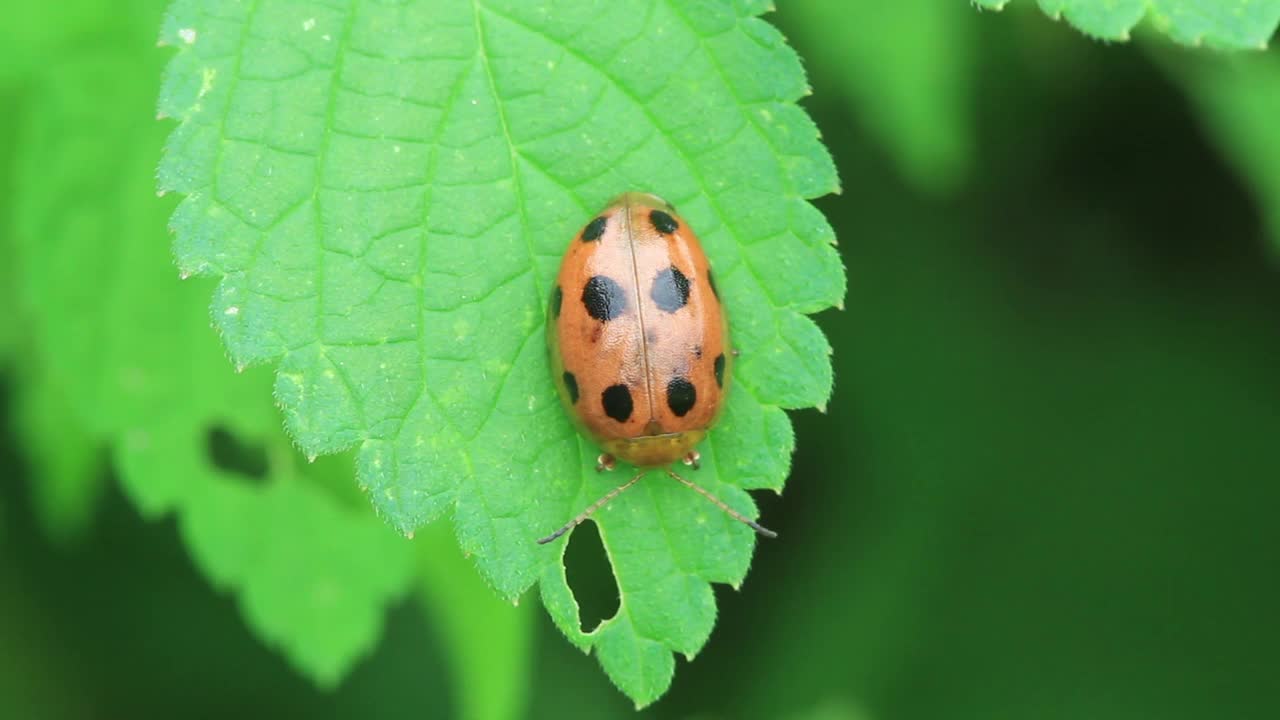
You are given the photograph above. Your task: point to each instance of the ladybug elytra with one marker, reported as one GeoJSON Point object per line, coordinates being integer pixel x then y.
{"type": "Point", "coordinates": [639, 342]}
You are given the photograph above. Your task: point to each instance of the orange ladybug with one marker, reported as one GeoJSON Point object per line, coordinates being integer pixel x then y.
{"type": "Point", "coordinates": [639, 342]}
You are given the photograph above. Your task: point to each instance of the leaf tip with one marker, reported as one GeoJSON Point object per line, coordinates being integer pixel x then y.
{"type": "Point", "coordinates": [311, 457]}
{"type": "Point", "coordinates": [408, 535]}
{"type": "Point", "coordinates": [241, 367]}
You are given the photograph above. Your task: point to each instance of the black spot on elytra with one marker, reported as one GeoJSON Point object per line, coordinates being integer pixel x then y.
{"type": "Point", "coordinates": [681, 396]}
{"type": "Point", "coordinates": [571, 384]}
{"type": "Point", "coordinates": [720, 370]}
{"type": "Point", "coordinates": [557, 298]}
{"type": "Point", "coordinates": [663, 222]}
{"type": "Point", "coordinates": [670, 289]}
{"type": "Point", "coordinates": [617, 402]}
{"type": "Point", "coordinates": [605, 299]}
{"type": "Point", "coordinates": [594, 229]}
{"type": "Point", "coordinates": [711, 280]}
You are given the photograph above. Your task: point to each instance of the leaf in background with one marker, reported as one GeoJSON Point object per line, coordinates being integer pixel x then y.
{"type": "Point", "coordinates": [1238, 99]}
{"type": "Point", "coordinates": [64, 461]}
{"type": "Point", "coordinates": [919, 110]}
{"type": "Point", "coordinates": [127, 343]}
{"type": "Point", "coordinates": [32, 32]}
{"type": "Point", "coordinates": [1232, 24]}
{"type": "Point", "coordinates": [384, 194]}
{"type": "Point", "coordinates": [10, 322]}
{"type": "Point", "coordinates": [488, 640]}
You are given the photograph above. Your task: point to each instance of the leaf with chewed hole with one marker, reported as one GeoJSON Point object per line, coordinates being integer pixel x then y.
{"type": "Point", "coordinates": [1228, 24]}
{"type": "Point", "coordinates": [383, 193]}
{"type": "Point", "coordinates": [128, 346]}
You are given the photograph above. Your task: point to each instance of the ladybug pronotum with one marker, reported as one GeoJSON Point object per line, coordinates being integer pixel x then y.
{"type": "Point", "coordinates": [639, 342]}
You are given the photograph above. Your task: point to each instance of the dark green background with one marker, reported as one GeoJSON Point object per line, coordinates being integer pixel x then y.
{"type": "Point", "coordinates": [1045, 487]}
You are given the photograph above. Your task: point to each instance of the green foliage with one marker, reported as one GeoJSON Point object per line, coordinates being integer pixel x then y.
{"type": "Point", "coordinates": [1239, 103]}
{"type": "Point", "coordinates": [384, 193]}
{"type": "Point", "coordinates": [65, 460]}
{"type": "Point", "coordinates": [920, 111]}
{"type": "Point", "coordinates": [133, 356]}
{"type": "Point", "coordinates": [1054, 425]}
{"type": "Point", "coordinates": [1233, 24]}
{"type": "Point", "coordinates": [487, 640]}
{"type": "Point", "coordinates": [10, 323]}
{"type": "Point", "coordinates": [119, 356]}
{"type": "Point", "coordinates": [31, 34]}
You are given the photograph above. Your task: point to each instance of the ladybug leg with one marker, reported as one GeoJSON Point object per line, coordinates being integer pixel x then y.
{"type": "Point", "coordinates": [692, 459]}
{"type": "Point", "coordinates": [604, 462]}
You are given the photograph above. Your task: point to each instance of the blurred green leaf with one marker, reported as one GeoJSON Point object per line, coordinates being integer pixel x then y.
{"type": "Point", "coordinates": [33, 32]}
{"type": "Point", "coordinates": [920, 109]}
{"type": "Point", "coordinates": [1232, 24]}
{"type": "Point", "coordinates": [128, 346]}
{"type": "Point", "coordinates": [1238, 100]}
{"type": "Point", "coordinates": [9, 321]}
{"type": "Point", "coordinates": [488, 640]}
{"type": "Point", "coordinates": [64, 461]}
{"type": "Point", "coordinates": [384, 193]}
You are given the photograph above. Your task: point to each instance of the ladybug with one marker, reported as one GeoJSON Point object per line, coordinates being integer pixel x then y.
{"type": "Point", "coordinates": [639, 342]}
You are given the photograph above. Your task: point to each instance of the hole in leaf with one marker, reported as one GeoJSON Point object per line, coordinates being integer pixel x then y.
{"type": "Point", "coordinates": [590, 577]}
{"type": "Point", "coordinates": [228, 452]}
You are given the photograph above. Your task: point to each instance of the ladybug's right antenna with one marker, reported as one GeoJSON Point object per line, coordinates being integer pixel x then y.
{"type": "Point", "coordinates": [766, 532]}
{"type": "Point", "coordinates": [594, 507]}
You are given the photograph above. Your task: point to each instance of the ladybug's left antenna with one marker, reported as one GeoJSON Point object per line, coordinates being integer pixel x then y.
{"type": "Point", "coordinates": [594, 507]}
{"type": "Point", "coordinates": [766, 532]}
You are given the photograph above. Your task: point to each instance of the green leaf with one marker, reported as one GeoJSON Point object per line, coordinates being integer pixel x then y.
{"type": "Point", "coordinates": [1238, 101]}
{"type": "Point", "coordinates": [32, 32]}
{"type": "Point", "coordinates": [128, 344]}
{"type": "Point", "coordinates": [1230, 24]}
{"type": "Point", "coordinates": [384, 193]}
{"type": "Point", "coordinates": [489, 642]}
{"type": "Point", "coordinates": [919, 112]}
{"type": "Point", "coordinates": [10, 322]}
{"type": "Point", "coordinates": [64, 462]}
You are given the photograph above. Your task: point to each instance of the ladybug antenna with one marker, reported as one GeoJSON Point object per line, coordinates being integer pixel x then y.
{"type": "Point", "coordinates": [762, 530]}
{"type": "Point", "coordinates": [592, 508]}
